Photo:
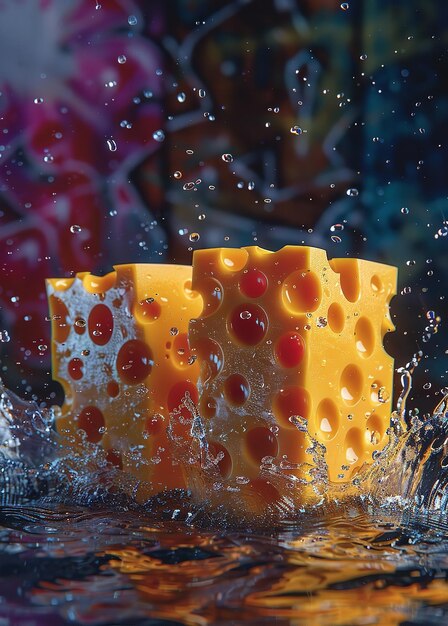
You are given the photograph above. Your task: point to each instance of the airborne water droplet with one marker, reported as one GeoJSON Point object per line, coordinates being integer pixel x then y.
{"type": "Point", "coordinates": [177, 174]}
{"type": "Point", "coordinates": [336, 227]}
{"type": "Point", "coordinates": [194, 237]}
{"type": "Point", "coordinates": [352, 192]}
{"type": "Point", "coordinates": [158, 135]}
{"type": "Point", "coordinates": [202, 93]}
{"type": "Point", "coordinates": [132, 20]}
{"type": "Point", "coordinates": [188, 186]}
{"type": "Point", "coordinates": [296, 130]}
{"type": "Point", "coordinates": [227, 158]}
{"type": "Point", "coordinates": [111, 144]}
{"type": "Point", "coordinates": [345, 6]}
{"type": "Point", "coordinates": [121, 59]}
{"type": "Point", "coordinates": [405, 210]}
{"type": "Point", "coordinates": [181, 97]}
{"type": "Point", "coordinates": [75, 228]}
{"type": "Point", "coordinates": [4, 336]}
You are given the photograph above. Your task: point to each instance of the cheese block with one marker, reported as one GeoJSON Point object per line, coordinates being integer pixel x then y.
{"type": "Point", "coordinates": [120, 351]}
{"type": "Point", "coordinates": [290, 342]}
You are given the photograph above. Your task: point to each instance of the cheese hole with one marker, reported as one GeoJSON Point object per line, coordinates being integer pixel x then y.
{"type": "Point", "coordinates": [259, 443]}
{"type": "Point", "coordinates": [364, 337]}
{"type": "Point", "coordinates": [100, 324]}
{"type": "Point", "coordinates": [336, 317]}
{"type": "Point", "coordinates": [376, 284]}
{"type": "Point", "coordinates": [211, 358]}
{"type": "Point", "coordinates": [375, 430]}
{"type": "Point", "coordinates": [99, 284]}
{"type": "Point", "coordinates": [234, 259]}
{"type": "Point", "coordinates": [349, 277]}
{"type": "Point", "coordinates": [301, 292]}
{"type": "Point", "coordinates": [112, 389]}
{"type": "Point", "coordinates": [212, 292]}
{"type": "Point", "coordinates": [91, 421]}
{"type": "Point", "coordinates": [189, 291]}
{"type": "Point", "coordinates": [60, 315]}
{"type": "Point", "coordinates": [351, 384]}
{"type": "Point", "coordinates": [154, 424]}
{"type": "Point", "coordinates": [236, 389]}
{"type": "Point", "coordinates": [253, 283]}
{"type": "Point", "coordinates": [181, 352]}
{"type": "Point", "coordinates": [147, 311]}
{"type": "Point", "coordinates": [248, 324]}
{"type": "Point", "coordinates": [290, 349]}
{"type": "Point", "coordinates": [353, 446]}
{"type": "Point", "coordinates": [75, 367]}
{"type": "Point", "coordinates": [221, 458]}
{"type": "Point", "coordinates": [327, 418]}
{"type": "Point", "coordinates": [292, 401]}
{"type": "Point", "coordinates": [113, 457]}
{"type": "Point", "coordinates": [134, 362]}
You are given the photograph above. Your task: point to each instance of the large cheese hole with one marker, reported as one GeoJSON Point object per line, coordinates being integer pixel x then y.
{"type": "Point", "coordinates": [134, 361]}
{"type": "Point", "coordinates": [259, 443]}
{"type": "Point", "coordinates": [364, 337]}
{"type": "Point", "coordinates": [234, 259]}
{"type": "Point", "coordinates": [147, 311]}
{"type": "Point", "coordinates": [248, 324]}
{"type": "Point", "coordinates": [236, 389]}
{"type": "Point", "coordinates": [351, 384]}
{"type": "Point", "coordinates": [60, 314]}
{"type": "Point", "coordinates": [336, 317]}
{"type": "Point", "coordinates": [353, 446]}
{"type": "Point", "coordinates": [212, 292]}
{"type": "Point", "coordinates": [112, 389]}
{"type": "Point", "coordinates": [211, 358]}
{"type": "Point", "coordinates": [375, 430]}
{"type": "Point", "coordinates": [220, 457]}
{"type": "Point", "coordinates": [91, 421]}
{"type": "Point", "coordinates": [327, 417]}
{"type": "Point", "coordinates": [301, 292]}
{"type": "Point", "coordinates": [253, 283]}
{"type": "Point", "coordinates": [292, 401]}
{"type": "Point", "coordinates": [290, 349]}
{"type": "Point", "coordinates": [100, 324]}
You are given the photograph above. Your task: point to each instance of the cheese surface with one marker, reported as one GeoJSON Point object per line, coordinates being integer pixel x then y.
{"type": "Point", "coordinates": [289, 341]}
{"type": "Point", "coordinates": [120, 350]}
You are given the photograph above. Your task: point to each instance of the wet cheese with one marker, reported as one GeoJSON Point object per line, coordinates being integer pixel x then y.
{"type": "Point", "coordinates": [120, 351]}
{"type": "Point", "coordinates": [289, 341]}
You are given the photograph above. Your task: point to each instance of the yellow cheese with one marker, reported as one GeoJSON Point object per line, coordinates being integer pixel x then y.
{"type": "Point", "coordinates": [284, 336]}
{"type": "Point", "coordinates": [120, 350]}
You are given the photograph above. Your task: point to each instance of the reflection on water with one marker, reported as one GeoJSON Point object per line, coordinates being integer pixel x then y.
{"type": "Point", "coordinates": [76, 548]}
{"type": "Point", "coordinates": [73, 566]}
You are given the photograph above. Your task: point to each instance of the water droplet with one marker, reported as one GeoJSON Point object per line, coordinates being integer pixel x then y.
{"type": "Point", "coordinates": [227, 158]}
{"type": "Point", "coordinates": [336, 228]}
{"type": "Point", "coordinates": [132, 20]}
{"type": "Point", "coordinates": [38, 100]}
{"type": "Point", "coordinates": [405, 291]}
{"type": "Point", "coordinates": [405, 210]}
{"type": "Point", "coordinates": [201, 216]}
{"type": "Point", "coordinates": [75, 228]}
{"type": "Point", "coordinates": [80, 322]}
{"type": "Point", "coordinates": [363, 57]}
{"type": "Point", "coordinates": [4, 336]}
{"type": "Point", "coordinates": [48, 158]}
{"type": "Point", "coordinates": [158, 135]}
{"type": "Point", "coordinates": [245, 315]}
{"type": "Point", "coordinates": [42, 347]}
{"type": "Point", "coordinates": [321, 322]}
{"type": "Point", "coordinates": [194, 237]}
{"type": "Point", "coordinates": [335, 239]}
{"type": "Point", "coordinates": [296, 130]}
{"type": "Point", "coordinates": [174, 331]}
{"type": "Point", "coordinates": [177, 174]}
{"type": "Point", "coordinates": [410, 262]}
{"type": "Point", "coordinates": [202, 93]}
{"type": "Point", "coordinates": [352, 192]}
{"type": "Point", "coordinates": [111, 144]}
{"type": "Point", "coordinates": [188, 186]}
{"type": "Point", "coordinates": [251, 185]}
{"type": "Point", "coordinates": [345, 6]}
{"type": "Point", "coordinates": [427, 386]}
{"type": "Point", "coordinates": [181, 97]}
{"type": "Point", "coordinates": [121, 59]}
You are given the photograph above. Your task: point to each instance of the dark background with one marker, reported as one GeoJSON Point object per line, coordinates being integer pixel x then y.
{"type": "Point", "coordinates": [94, 125]}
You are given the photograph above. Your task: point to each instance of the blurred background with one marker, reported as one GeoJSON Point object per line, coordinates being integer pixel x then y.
{"type": "Point", "coordinates": [138, 131]}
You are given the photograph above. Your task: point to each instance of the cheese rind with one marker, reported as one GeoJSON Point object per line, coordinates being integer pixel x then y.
{"type": "Point", "coordinates": [120, 351]}
{"type": "Point", "coordinates": [290, 334]}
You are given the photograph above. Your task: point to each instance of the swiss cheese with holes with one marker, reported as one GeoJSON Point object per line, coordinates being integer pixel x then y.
{"type": "Point", "coordinates": [285, 338]}
{"type": "Point", "coordinates": [120, 351]}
